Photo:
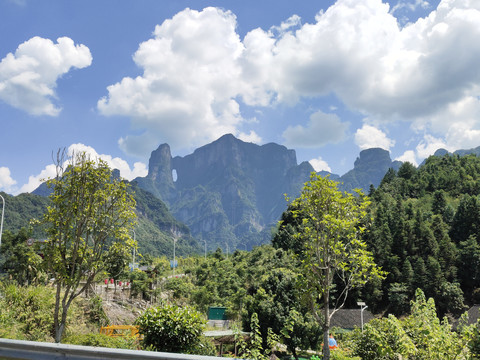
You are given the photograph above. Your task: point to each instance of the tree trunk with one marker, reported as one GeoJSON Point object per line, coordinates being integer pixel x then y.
{"type": "Point", "coordinates": [56, 313]}
{"type": "Point", "coordinates": [59, 332]}
{"type": "Point", "coordinates": [63, 321]}
{"type": "Point", "coordinates": [326, 321]}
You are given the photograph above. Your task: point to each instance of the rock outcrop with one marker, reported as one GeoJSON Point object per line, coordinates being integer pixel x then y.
{"type": "Point", "coordinates": [369, 169]}
{"type": "Point", "coordinates": [229, 193]}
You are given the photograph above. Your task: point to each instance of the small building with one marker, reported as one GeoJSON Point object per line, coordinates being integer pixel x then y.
{"type": "Point", "coordinates": [217, 317]}
{"type": "Point", "coordinates": [217, 313]}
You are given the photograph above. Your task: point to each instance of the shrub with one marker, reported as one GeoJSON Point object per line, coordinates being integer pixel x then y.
{"type": "Point", "coordinates": [102, 340]}
{"type": "Point", "coordinates": [171, 328]}
{"type": "Point", "coordinates": [94, 311]}
{"type": "Point", "coordinates": [27, 312]}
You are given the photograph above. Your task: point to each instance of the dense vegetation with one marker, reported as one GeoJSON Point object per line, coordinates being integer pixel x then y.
{"type": "Point", "coordinates": [423, 229]}
{"type": "Point", "coordinates": [425, 233]}
{"type": "Point", "coordinates": [155, 231]}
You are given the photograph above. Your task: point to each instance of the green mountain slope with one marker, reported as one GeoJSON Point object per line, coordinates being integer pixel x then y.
{"type": "Point", "coordinates": [155, 231]}
{"type": "Point", "coordinates": [230, 193]}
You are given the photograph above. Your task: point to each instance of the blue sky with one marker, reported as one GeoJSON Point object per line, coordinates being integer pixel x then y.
{"type": "Point", "coordinates": [326, 78]}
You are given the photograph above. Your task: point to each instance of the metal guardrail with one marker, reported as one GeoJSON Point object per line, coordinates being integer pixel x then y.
{"type": "Point", "coordinates": [32, 350]}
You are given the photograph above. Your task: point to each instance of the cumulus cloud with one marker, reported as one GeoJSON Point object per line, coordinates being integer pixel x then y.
{"type": "Point", "coordinates": [429, 145]}
{"type": "Point", "coordinates": [34, 181]}
{"type": "Point", "coordinates": [462, 136]}
{"type": "Point", "coordinates": [370, 137]}
{"type": "Point", "coordinates": [252, 137]}
{"type": "Point", "coordinates": [292, 22]}
{"type": "Point", "coordinates": [139, 169]}
{"type": "Point", "coordinates": [196, 70]}
{"type": "Point", "coordinates": [320, 165]}
{"type": "Point", "coordinates": [190, 80]}
{"type": "Point", "coordinates": [321, 129]}
{"type": "Point", "coordinates": [6, 181]}
{"type": "Point", "coordinates": [28, 78]}
{"type": "Point", "coordinates": [408, 156]}
{"type": "Point", "coordinates": [357, 50]}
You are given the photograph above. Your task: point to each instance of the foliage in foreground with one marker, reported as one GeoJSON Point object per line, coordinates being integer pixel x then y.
{"type": "Point", "coordinates": [333, 255]}
{"type": "Point", "coordinates": [253, 348]}
{"type": "Point", "coordinates": [88, 224]}
{"type": "Point", "coordinates": [171, 328]}
{"type": "Point", "coordinates": [27, 313]}
{"type": "Point", "coordinates": [102, 340]}
{"type": "Point", "coordinates": [421, 336]}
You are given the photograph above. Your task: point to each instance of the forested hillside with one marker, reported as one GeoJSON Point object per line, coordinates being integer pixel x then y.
{"type": "Point", "coordinates": [425, 233]}
{"type": "Point", "coordinates": [155, 231]}
{"type": "Point", "coordinates": [20, 209]}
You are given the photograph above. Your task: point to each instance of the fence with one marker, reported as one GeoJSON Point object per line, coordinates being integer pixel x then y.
{"type": "Point", "coordinates": [31, 350]}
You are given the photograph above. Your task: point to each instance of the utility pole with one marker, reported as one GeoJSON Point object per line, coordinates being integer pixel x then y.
{"type": "Point", "coordinates": [1, 225]}
{"type": "Point", "coordinates": [174, 242]}
{"type": "Point", "coordinates": [133, 256]}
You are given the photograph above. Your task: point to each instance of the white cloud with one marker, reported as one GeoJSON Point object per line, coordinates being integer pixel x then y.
{"type": "Point", "coordinates": [462, 136]}
{"type": "Point", "coordinates": [429, 145]}
{"type": "Point", "coordinates": [370, 137]}
{"type": "Point", "coordinates": [456, 127]}
{"type": "Point", "coordinates": [408, 156]}
{"type": "Point", "coordinates": [321, 129]}
{"type": "Point", "coordinates": [34, 181]}
{"type": "Point", "coordinates": [139, 169]}
{"type": "Point", "coordinates": [196, 69]}
{"type": "Point", "coordinates": [458, 137]}
{"type": "Point", "coordinates": [186, 95]}
{"type": "Point", "coordinates": [357, 50]}
{"type": "Point", "coordinates": [292, 22]}
{"type": "Point", "coordinates": [6, 181]}
{"type": "Point", "coordinates": [28, 78]}
{"type": "Point", "coordinates": [319, 164]}
{"type": "Point", "coordinates": [252, 137]}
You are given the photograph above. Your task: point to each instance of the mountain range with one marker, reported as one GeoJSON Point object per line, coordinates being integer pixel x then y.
{"type": "Point", "coordinates": [228, 194]}
{"type": "Point", "coordinates": [231, 193]}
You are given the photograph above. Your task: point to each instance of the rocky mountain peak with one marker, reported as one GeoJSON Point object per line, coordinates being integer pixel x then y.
{"type": "Point", "coordinates": [369, 169]}
{"type": "Point", "coordinates": [159, 165]}
{"type": "Point", "coordinates": [226, 190]}
{"type": "Point", "coordinates": [374, 155]}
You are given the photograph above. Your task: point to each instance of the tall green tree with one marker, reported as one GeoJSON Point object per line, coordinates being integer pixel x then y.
{"type": "Point", "coordinates": [22, 262]}
{"type": "Point", "coordinates": [333, 250]}
{"type": "Point", "coordinates": [278, 306]}
{"type": "Point", "coordinates": [91, 215]}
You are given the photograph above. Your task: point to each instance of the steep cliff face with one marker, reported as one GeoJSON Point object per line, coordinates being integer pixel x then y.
{"type": "Point", "coordinates": [369, 168]}
{"type": "Point", "coordinates": [159, 180]}
{"type": "Point", "coordinates": [231, 193]}
{"type": "Point", "coordinates": [228, 191]}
